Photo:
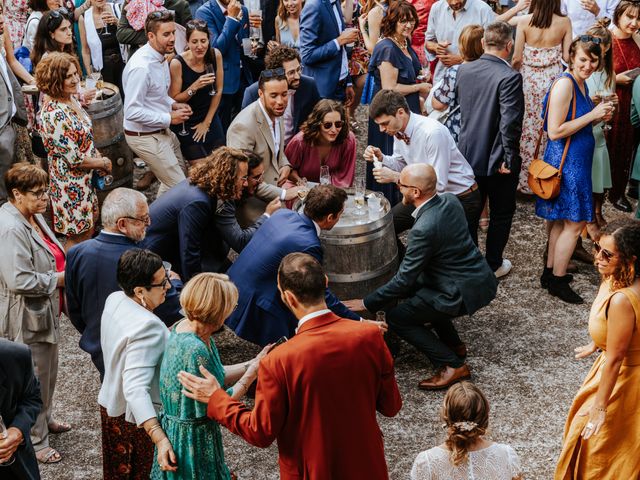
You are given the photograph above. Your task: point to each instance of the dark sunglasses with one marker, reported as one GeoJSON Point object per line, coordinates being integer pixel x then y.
{"type": "Point", "coordinates": [590, 38]}
{"type": "Point", "coordinates": [56, 16]}
{"type": "Point", "coordinates": [274, 72]}
{"type": "Point", "coordinates": [605, 253]}
{"type": "Point", "coordinates": [163, 15]}
{"type": "Point", "coordinates": [328, 125]}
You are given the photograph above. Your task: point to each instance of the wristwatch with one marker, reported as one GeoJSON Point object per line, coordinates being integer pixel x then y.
{"type": "Point", "coordinates": [190, 92]}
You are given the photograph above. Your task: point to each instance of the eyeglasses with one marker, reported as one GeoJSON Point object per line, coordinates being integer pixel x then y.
{"type": "Point", "coordinates": [57, 16]}
{"type": "Point", "coordinates": [161, 15]}
{"type": "Point", "coordinates": [407, 21]}
{"type": "Point", "coordinates": [163, 284]}
{"type": "Point", "coordinates": [257, 178]}
{"type": "Point", "coordinates": [590, 38]}
{"type": "Point", "coordinates": [274, 72]}
{"type": "Point", "coordinates": [39, 194]}
{"type": "Point", "coordinates": [298, 70]}
{"type": "Point", "coordinates": [328, 125]}
{"type": "Point", "coordinates": [608, 255]}
{"type": "Point", "coordinates": [146, 219]}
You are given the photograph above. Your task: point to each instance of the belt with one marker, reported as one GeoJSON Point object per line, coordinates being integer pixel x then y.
{"type": "Point", "coordinates": [468, 191]}
{"type": "Point", "coordinates": [142, 134]}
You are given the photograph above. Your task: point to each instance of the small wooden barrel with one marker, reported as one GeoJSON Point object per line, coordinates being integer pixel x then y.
{"type": "Point", "coordinates": [107, 115]}
{"type": "Point", "coordinates": [360, 252]}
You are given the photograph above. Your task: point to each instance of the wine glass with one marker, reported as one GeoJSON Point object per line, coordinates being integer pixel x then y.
{"type": "Point", "coordinates": [4, 434]}
{"type": "Point", "coordinates": [608, 97]}
{"type": "Point", "coordinates": [325, 175]}
{"type": "Point", "coordinates": [183, 132]}
{"type": "Point", "coordinates": [210, 70]}
{"type": "Point", "coordinates": [304, 190]}
{"type": "Point", "coordinates": [359, 195]}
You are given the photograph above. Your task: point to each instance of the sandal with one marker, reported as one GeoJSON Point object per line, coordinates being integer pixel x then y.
{"type": "Point", "coordinates": [48, 455]}
{"type": "Point", "coordinates": [59, 427]}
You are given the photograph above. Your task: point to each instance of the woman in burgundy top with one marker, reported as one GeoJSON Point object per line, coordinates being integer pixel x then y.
{"type": "Point", "coordinates": [626, 56]}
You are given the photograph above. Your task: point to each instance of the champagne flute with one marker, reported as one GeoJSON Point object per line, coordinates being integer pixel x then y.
{"type": "Point", "coordinates": [210, 71]}
{"type": "Point", "coordinates": [4, 434]}
{"type": "Point", "coordinates": [359, 195]}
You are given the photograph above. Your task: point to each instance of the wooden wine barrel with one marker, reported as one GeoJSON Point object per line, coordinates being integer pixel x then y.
{"type": "Point", "coordinates": [107, 115]}
{"type": "Point", "coordinates": [360, 252]}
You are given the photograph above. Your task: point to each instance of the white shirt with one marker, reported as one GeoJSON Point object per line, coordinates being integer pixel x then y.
{"type": "Point", "coordinates": [288, 118]}
{"type": "Point", "coordinates": [145, 80]}
{"type": "Point", "coordinates": [344, 66]}
{"type": "Point", "coordinates": [274, 128]}
{"type": "Point", "coordinates": [133, 341]}
{"type": "Point", "coordinates": [309, 316]}
{"type": "Point", "coordinates": [414, 214]}
{"type": "Point", "coordinates": [443, 27]}
{"type": "Point", "coordinates": [581, 18]}
{"type": "Point", "coordinates": [5, 75]}
{"type": "Point", "coordinates": [431, 143]}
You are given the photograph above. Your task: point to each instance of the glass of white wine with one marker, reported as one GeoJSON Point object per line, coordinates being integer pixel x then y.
{"type": "Point", "coordinates": [304, 189]}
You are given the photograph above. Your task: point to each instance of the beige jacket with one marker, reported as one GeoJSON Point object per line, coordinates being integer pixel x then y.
{"type": "Point", "coordinates": [250, 130]}
{"type": "Point", "coordinates": [29, 299]}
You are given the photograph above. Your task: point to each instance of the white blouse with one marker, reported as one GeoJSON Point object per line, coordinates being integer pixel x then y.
{"type": "Point", "coordinates": [133, 341]}
{"type": "Point", "coordinates": [496, 462]}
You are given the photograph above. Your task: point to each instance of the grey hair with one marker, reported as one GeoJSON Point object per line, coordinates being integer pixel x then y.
{"type": "Point", "coordinates": [497, 35]}
{"type": "Point", "coordinates": [121, 202]}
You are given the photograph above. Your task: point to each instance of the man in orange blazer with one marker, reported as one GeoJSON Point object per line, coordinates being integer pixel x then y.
{"type": "Point", "coordinates": [318, 393]}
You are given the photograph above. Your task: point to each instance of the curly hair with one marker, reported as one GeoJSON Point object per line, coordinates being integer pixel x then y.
{"type": "Point", "coordinates": [280, 54]}
{"type": "Point", "coordinates": [217, 174]}
{"type": "Point", "coordinates": [399, 11]}
{"type": "Point", "coordinates": [465, 411]}
{"type": "Point", "coordinates": [312, 125]}
{"type": "Point", "coordinates": [52, 71]}
{"type": "Point", "coordinates": [626, 235]}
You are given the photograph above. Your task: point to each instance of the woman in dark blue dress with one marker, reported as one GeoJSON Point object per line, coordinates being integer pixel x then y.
{"type": "Point", "coordinates": [394, 66]}
{"type": "Point", "coordinates": [569, 212]}
{"type": "Point", "coordinates": [195, 75]}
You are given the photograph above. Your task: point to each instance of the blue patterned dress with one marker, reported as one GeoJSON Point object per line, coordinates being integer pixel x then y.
{"type": "Point", "coordinates": [575, 201]}
{"type": "Point", "coordinates": [196, 440]}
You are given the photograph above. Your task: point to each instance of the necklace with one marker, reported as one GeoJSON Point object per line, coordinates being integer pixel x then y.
{"type": "Point", "coordinates": [399, 44]}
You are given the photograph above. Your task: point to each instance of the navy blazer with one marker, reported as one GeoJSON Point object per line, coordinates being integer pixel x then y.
{"type": "Point", "coordinates": [90, 277]}
{"type": "Point", "coordinates": [20, 404]}
{"type": "Point", "coordinates": [261, 317]}
{"type": "Point", "coordinates": [491, 101]}
{"type": "Point", "coordinates": [442, 267]}
{"type": "Point", "coordinates": [321, 57]}
{"type": "Point", "coordinates": [194, 231]}
{"type": "Point", "coordinates": [304, 100]}
{"type": "Point", "coordinates": [226, 35]}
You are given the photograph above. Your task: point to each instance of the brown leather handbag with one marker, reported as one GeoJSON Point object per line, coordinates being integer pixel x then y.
{"type": "Point", "coordinates": [544, 179]}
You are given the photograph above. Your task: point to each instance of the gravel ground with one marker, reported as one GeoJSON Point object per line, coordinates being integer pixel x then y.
{"type": "Point", "coordinates": [520, 354]}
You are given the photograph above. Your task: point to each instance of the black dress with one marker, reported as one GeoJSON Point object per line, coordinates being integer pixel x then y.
{"type": "Point", "coordinates": [112, 64]}
{"type": "Point", "coordinates": [408, 70]}
{"type": "Point", "coordinates": [199, 103]}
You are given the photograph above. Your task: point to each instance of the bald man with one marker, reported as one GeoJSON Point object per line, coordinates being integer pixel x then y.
{"type": "Point", "coordinates": [443, 275]}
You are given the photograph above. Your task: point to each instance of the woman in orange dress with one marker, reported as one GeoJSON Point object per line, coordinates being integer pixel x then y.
{"type": "Point", "coordinates": [602, 433]}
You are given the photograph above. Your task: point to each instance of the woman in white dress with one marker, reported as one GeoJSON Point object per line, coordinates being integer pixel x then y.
{"type": "Point", "coordinates": [466, 454]}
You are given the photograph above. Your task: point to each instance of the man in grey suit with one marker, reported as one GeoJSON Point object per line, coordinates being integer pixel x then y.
{"type": "Point", "coordinates": [442, 276]}
{"type": "Point", "coordinates": [491, 102]}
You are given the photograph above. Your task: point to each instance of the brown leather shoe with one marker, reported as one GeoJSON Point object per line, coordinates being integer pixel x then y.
{"type": "Point", "coordinates": [445, 377]}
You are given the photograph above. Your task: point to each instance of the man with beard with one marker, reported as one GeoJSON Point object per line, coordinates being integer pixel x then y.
{"type": "Point", "coordinates": [303, 92]}
{"type": "Point", "coordinates": [148, 108]}
{"type": "Point", "coordinates": [260, 128]}
{"type": "Point", "coordinates": [442, 276]}
{"type": "Point", "coordinates": [90, 270]}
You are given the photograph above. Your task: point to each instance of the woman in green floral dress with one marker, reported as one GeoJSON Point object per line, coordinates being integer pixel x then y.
{"type": "Point", "coordinates": [207, 300]}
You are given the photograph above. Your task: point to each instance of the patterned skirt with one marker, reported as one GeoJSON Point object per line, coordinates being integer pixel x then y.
{"type": "Point", "coordinates": [127, 451]}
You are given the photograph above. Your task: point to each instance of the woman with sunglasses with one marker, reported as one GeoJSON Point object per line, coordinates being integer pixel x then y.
{"type": "Point", "coordinates": [31, 296]}
{"type": "Point", "coordinates": [207, 300]}
{"type": "Point", "coordinates": [133, 339]}
{"type": "Point", "coordinates": [197, 78]}
{"type": "Point", "coordinates": [602, 433]}
{"type": "Point", "coordinates": [324, 139]}
{"type": "Point", "coordinates": [54, 34]}
{"type": "Point", "coordinates": [572, 210]}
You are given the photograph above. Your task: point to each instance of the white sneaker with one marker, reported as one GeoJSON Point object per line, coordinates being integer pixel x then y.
{"type": "Point", "coordinates": [504, 269]}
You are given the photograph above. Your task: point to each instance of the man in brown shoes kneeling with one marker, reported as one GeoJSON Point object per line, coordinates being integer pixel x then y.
{"type": "Point", "coordinates": [443, 275]}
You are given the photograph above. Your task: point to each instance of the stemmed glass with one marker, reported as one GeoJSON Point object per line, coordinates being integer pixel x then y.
{"type": "Point", "coordinates": [359, 195]}
{"type": "Point", "coordinates": [605, 96]}
{"type": "Point", "coordinates": [183, 132]}
{"type": "Point", "coordinates": [210, 71]}
{"type": "Point", "coordinates": [304, 189]}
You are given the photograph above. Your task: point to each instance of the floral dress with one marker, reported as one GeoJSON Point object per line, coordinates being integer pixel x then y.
{"type": "Point", "coordinates": [15, 14]}
{"type": "Point", "coordinates": [540, 66]}
{"type": "Point", "coordinates": [445, 92]}
{"type": "Point", "coordinates": [68, 138]}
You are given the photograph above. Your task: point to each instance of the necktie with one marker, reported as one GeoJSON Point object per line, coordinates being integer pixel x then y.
{"type": "Point", "coordinates": [404, 137]}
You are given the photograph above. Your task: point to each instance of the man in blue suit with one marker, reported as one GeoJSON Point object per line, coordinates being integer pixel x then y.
{"type": "Point", "coordinates": [228, 22]}
{"type": "Point", "coordinates": [90, 272]}
{"type": "Point", "coordinates": [303, 92]}
{"type": "Point", "coordinates": [323, 40]}
{"type": "Point", "coordinates": [261, 317]}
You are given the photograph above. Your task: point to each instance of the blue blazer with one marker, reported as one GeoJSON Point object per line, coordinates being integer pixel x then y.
{"type": "Point", "coordinates": [226, 35]}
{"type": "Point", "coordinates": [90, 277]}
{"type": "Point", "coordinates": [321, 57]}
{"type": "Point", "coordinates": [304, 100]}
{"type": "Point", "coordinates": [261, 317]}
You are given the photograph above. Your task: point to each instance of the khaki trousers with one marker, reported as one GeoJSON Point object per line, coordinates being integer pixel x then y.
{"type": "Point", "coordinates": [45, 362]}
{"type": "Point", "coordinates": [161, 151]}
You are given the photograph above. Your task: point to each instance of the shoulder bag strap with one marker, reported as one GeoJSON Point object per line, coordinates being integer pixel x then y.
{"type": "Point", "coordinates": [573, 117]}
